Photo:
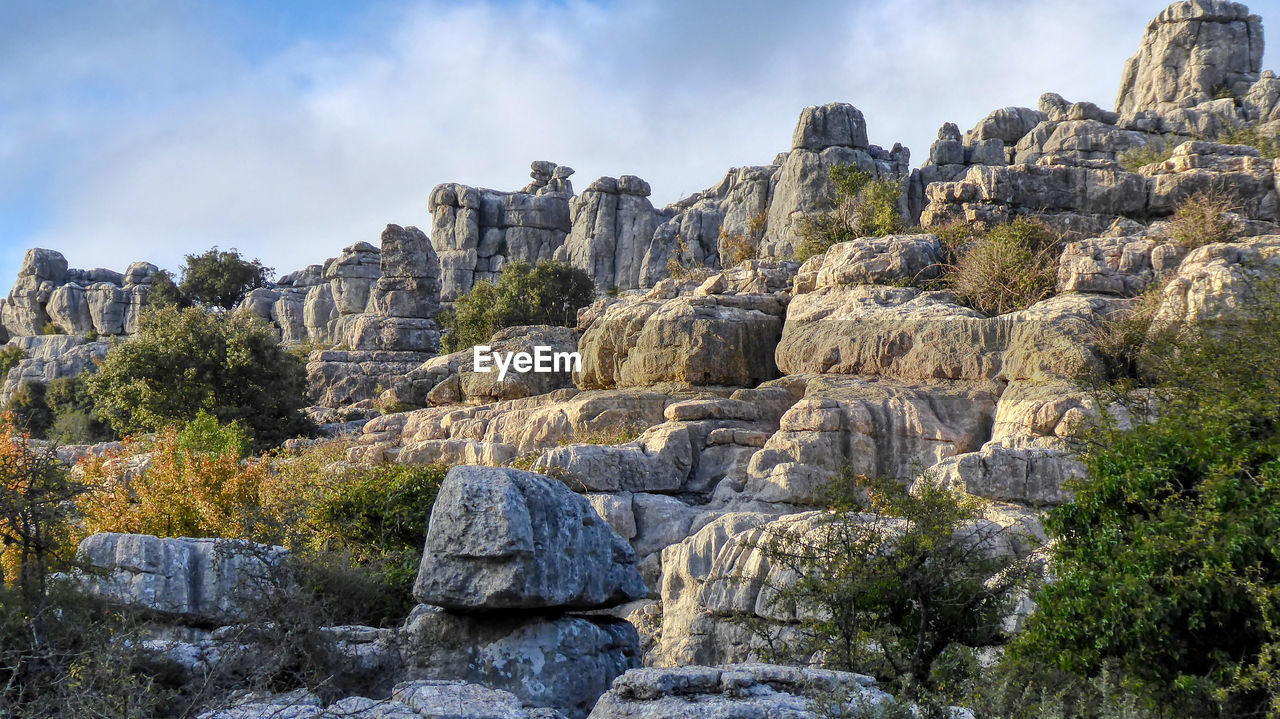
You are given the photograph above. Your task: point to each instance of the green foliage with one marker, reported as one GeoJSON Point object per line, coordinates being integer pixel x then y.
{"type": "Point", "coordinates": [51, 329]}
{"type": "Point", "coordinates": [548, 293]}
{"type": "Point", "coordinates": [75, 419]}
{"type": "Point", "coordinates": [1266, 143]}
{"type": "Point", "coordinates": [889, 592]}
{"type": "Point", "coordinates": [218, 278]}
{"type": "Point", "coordinates": [185, 361]}
{"type": "Point", "coordinates": [1009, 267]}
{"type": "Point", "coordinates": [204, 435]}
{"type": "Point", "coordinates": [865, 207]}
{"type": "Point", "coordinates": [1156, 150]}
{"type": "Point", "coordinates": [30, 407]}
{"type": "Point", "coordinates": [10, 356]}
{"type": "Point", "coordinates": [165, 293]}
{"type": "Point", "coordinates": [1167, 560]}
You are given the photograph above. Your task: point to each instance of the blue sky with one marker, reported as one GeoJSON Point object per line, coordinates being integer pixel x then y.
{"type": "Point", "coordinates": [148, 129]}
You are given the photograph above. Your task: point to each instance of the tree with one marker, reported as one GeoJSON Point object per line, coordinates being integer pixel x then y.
{"type": "Point", "coordinates": [548, 293]}
{"type": "Point", "coordinates": [219, 278]}
{"type": "Point", "coordinates": [184, 361]}
{"type": "Point", "coordinates": [890, 580]}
{"type": "Point", "coordinates": [1168, 559]}
{"type": "Point", "coordinates": [165, 292]}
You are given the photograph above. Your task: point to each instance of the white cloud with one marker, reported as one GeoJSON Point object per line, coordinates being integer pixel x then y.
{"type": "Point", "coordinates": [160, 138]}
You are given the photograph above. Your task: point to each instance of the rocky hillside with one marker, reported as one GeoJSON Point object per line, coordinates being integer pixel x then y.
{"type": "Point", "coordinates": [567, 576]}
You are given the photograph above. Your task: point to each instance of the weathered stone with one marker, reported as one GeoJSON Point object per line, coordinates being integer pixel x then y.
{"type": "Point", "coordinates": [1123, 266]}
{"type": "Point", "coordinates": [564, 663]}
{"type": "Point", "coordinates": [507, 539]}
{"type": "Point", "coordinates": [1026, 475]}
{"type": "Point", "coordinates": [190, 580]}
{"type": "Point", "coordinates": [1214, 282]}
{"type": "Point", "coordinates": [1192, 51]}
{"type": "Point", "coordinates": [50, 357]}
{"type": "Point", "coordinates": [68, 308]}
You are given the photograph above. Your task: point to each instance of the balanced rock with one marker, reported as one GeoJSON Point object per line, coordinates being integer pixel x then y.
{"type": "Point", "coordinates": [507, 539]}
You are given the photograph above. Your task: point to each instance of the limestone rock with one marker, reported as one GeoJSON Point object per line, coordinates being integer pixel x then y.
{"type": "Point", "coordinates": [1122, 266]}
{"type": "Point", "coordinates": [1236, 173]}
{"type": "Point", "coordinates": [68, 308]}
{"type": "Point", "coordinates": [190, 580]}
{"type": "Point", "coordinates": [1191, 51]}
{"type": "Point", "coordinates": [1026, 475]}
{"type": "Point", "coordinates": [698, 340]}
{"type": "Point", "coordinates": [875, 260]}
{"type": "Point", "coordinates": [1215, 281]}
{"type": "Point", "coordinates": [739, 691]}
{"type": "Point", "coordinates": [613, 227]}
{"type": "Point", "coordinates": [564, 663]}
{"type": "Point", "coordinates": [338, 378]}
{"type": "Point", "coordinates": [909, 334]}
{"type": "Point", "coordinates": [50, 357]}
{"type": "Point", "coordinates": [507, 539]}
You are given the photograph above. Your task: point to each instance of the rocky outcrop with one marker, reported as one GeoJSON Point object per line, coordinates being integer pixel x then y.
{"type": "Point", "coordinates": [741, 691]}
{"type": "Point", "coordinates": [1031, 476]}
{"type": "Point", "coordinates": [74, 301]}
{"type": "Point", "coordinates": [613, 228]}
{"type": "Point", "coordinates": [337, 378]}
{"type": "Point", "coordinates": [1216, 281]}
{"type": "Point", "coordinates": [423, 699]}
{"type": "Point", "coordinates": [194, 581]}
{"type": "Point", "coordinates": [452, 379]}
{"type": "Point", "coordinates": [51, 357]}
{"type": "Point", "coordinates": [476, 231]}
{"type": "Point", "coordinates": [894, 259]}
{"type": "Point", "coordinates": [1123, 266]}
{"type": "Point", "coordinates": [1191, 52]}
{"type": "Point", "coordinates": [504, 539]}
{"type": "Point", "coordinates": [826, 136]}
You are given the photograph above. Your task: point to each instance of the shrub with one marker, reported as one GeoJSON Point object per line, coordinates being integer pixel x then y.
{"type": "Point", "coordinates": [741, 247]}
{"type": "Point", "coordinates": [51, 329]}
{"type": "Point", "coordinates": [865, 207]}
{"type": "Point", "coordinates": [204, 436]}
{"type": "Point", "coordinates": [1202, 219]}
{"type": "Point", "coordinates": [1009, 267]}
{"type": "Point", "coordinates": [1165, 561]}
{"type": "Point", "coordinates": [185, 361]}
{"type": "Point", "coordinates": [10, 356]}
{"type": "Point", "coordinates": [890, 593]}
{"type": "Point", "coordinates": [548, 293]}
{"type": "Point", "coordinates": [75, 419]}
{"type": "Point", "coordinates": [218, 278]}
{"type": "Point", "coordinates": [1156, 150]}
{"type": "Point", "coordinates": [1253, 136]}
{"type": "Point", "coordinates": [30, 408]}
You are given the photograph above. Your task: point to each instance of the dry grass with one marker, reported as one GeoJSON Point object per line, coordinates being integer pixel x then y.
{"type": "Point", "coordinates": [610, 434]}
{"type": "Point", "coordinates": [736, 248]}
{"type": "Point", "coordinates": [1203, 219]}
{"type": "Point", "coordinates": [1007, 268]}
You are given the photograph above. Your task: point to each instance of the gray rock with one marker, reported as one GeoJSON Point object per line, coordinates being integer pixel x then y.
{"type": "Point", "coordinates": [564, 663]}
{"type": "Point", "coordinates": [1025, 475]}
{"type": "Point", "coordinates": [834, 125]}
{"type": "Point", "coordinates": [199, 581]}
{"type": "Point", "coordinates": [507, 539]}
{"type": "Point", "coordinates": [613, 228]}
{"type": "Point", "coordinates": [107, 306]}
{"type": "Point", "coordinates": [44, 265]}
{"type": "Point", "coordinates": [68, 308]}
{"type": "Point", "coordinates": [50, 357]}
{"type": "Point", "coordinates": [740, 691]}
{"type": "Point", "coordinates": [1191, 51]}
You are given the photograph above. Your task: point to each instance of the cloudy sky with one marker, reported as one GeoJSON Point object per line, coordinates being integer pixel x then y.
{"type": "Point", "coordinates": [148, 129]}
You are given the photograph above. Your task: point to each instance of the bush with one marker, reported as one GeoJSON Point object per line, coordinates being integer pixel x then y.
{"type": "Point", "coordinates": [30, 408]}
{"type": "Point", "coordinates": [1266, 143]}
{"type": "Point", "coordinates": [10, 356]}
{"type": "Point", "coordinates": [738, 248]}
{"type": "Point", "coordinates": [865, 207]}
{"type": "Point", "coordinates": [1166, 560]}
{"type": "Point", "coordinates": [221, 279]}
{"type": "Point", "coordinates": [186, 361]}
{"type": "Point", "coordinates": [549, 293]}
{"type": "Point", "coordinates": [1007, 268]}
{"type": "Point", "coordinates": [1157, 150]}
{"type": "Point", "coordinates": [890, 593]}
{"type": "Point", "coordinates": [75, 419]}
{"type": "Point", "coordinates": [1201, 220]}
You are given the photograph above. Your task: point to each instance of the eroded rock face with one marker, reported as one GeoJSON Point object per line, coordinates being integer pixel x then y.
{"type": "Point", "coordinates": [826, 136]}
{"type": "Point", "coordinates": [908, 334]}
{"type": "Point", "coordinates": [200, 581]}
{"type": "Point", "coordinates": [503, 539]}
{"type": "Point", "coordinates": [564, 663]}
{"type": "Point", "coordinates": [423, 699]}
{"type": "Point", "coordinates": [337, 378]}
{"type": "Point", "coordinates": [1033, 476]}
{"type": "Point", "coordinates": [1216, 281]}
{"type": "Point", "coordinates": [706, 340]}
{"type": "Point", "coordinates": [740, 691]}
{"type": "Point", "coordinates": [1122, 266]}
{"type": "Point", "coordinates": [50, 357]}
{"type": "Point", "coordinates": [476, 231]}
{"type": "Point", "coordinates": [1192, 51]}
{"type": "Point", "coordinates": [613, 228]}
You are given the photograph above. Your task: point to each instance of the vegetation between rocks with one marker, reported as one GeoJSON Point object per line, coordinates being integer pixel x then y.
{"type": "Point", "coordinates": [548, 293]}
{"type": "Point", "coordinates": [864, 207]}
{"type": "Point", "coordinates": [1005, 268]}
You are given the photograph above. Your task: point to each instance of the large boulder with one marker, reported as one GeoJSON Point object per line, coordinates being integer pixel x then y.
{"type": "Point", "coordinates": [1035, 476]}
{"type": "Point", "coordinates": [1190, 53]}
{"type": "Point", "coordinates": [192, 581]}
{"type": "Point", "coordinates": [707, 340]}
{"type": "Point", "coordinates": [336, 378]}
{"type": "Point", "coordinates": [1123, 266]}
{"type": "Point", "coordinates": [507, 539]}
{"type": "Point", "coordinates": [1216, 281]}
{"type": "Point", "coordinates": [564, 663]}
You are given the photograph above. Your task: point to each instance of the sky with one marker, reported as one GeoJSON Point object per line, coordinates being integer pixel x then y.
{"type": "Point", "coordinates": [151, 129]}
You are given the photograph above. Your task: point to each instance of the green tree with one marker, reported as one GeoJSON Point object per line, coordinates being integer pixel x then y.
{"type": "Point", "coordinates": [891, 580]}
{"type": "Point", "coordinates": [548, 293]}
{"type": "Point", "coordinates": [1168, 559]}
{"type": "Point", "coordinates": [30, 407]}
{"type": "Point", "coordinates": [219, 278]}
{"type": "Point", "coordinates": [864, 207]}
{"type": "Point", "coordinates": [185, 361]}
{"type": "Point", "coordinates": [165, 292]}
